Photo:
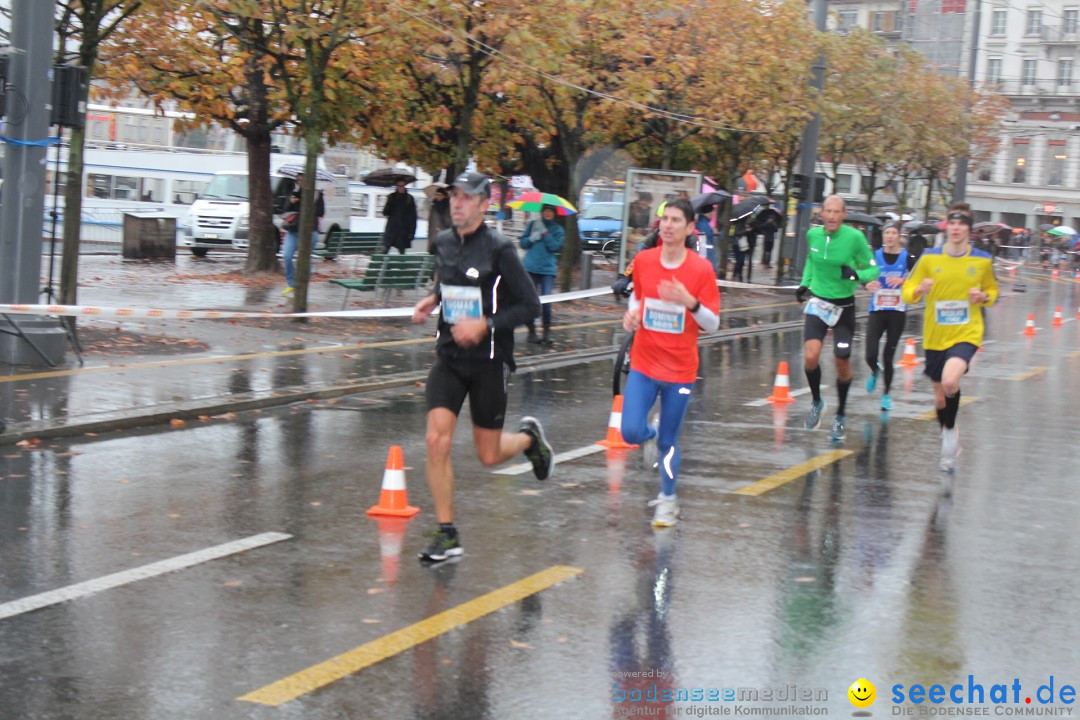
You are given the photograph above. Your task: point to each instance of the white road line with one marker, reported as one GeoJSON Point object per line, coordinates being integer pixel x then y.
{"type": "Point", "coordinates": [559, 458]}
{"type": "Point", "coordinates": [794, 393]}
{"type": "Point", "coordinates": [78, 590]}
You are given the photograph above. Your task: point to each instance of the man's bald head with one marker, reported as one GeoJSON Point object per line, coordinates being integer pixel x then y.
{"type": "Point", "coordinates": [833, 211]}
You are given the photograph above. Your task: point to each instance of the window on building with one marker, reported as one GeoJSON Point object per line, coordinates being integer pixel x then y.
{"type": "Point", "coordinates": [993, 71]}
{"type": "Point", "coordinates": [97, 186]}
{"type": "Point", "coordinates": [152, 190]}
{"type": "Point", "coordinates": [1069, 18]}
{"type": "Point", "coordinates": [879, 21]}
{"type": "Point", "coordinates": [985, 174]}
{"type": "Point", "coordinates": [997, 21]}
{"type": "Point", "coordinates": [1055, 165]}
{"type": "Point", "coordinates": [1065, 72]}
{"type": "Point", "coordinates": [125, 188]}
{"type": "Point", "coordinates": [1034, 21]}
{"type": "Point", "coordinates": [847, 18]}
{"type": "Point", "coordinates": [1030, 70]}
{"type": "Point", "coordinates": [1019, 163]}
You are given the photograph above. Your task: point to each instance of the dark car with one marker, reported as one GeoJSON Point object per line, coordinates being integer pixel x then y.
{"type": "Point", "coordinates": [600, 227]}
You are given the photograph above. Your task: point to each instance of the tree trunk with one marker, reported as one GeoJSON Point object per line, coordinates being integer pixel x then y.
{"type": "Point", "coordinates": [263, 235]}
{"type": "Point", "coordinates": [73, 189]}
{"type": "Point", "coordinates": [870, 191]}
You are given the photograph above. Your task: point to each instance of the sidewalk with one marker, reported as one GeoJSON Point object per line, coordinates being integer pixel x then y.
{"type": "Point", "coordinates": [143, 372]}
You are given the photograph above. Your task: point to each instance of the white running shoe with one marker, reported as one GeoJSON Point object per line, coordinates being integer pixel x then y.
{"type": "Point", "coordinates": [667, 511]}
{"type": "Point", "coordinates": [950, 448]}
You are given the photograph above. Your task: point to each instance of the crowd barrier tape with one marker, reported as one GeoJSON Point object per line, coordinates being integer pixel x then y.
{"type": "Point", "coordinates": [400, 312]}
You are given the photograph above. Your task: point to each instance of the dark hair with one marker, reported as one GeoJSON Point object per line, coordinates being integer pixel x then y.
{"type": "Point", "coordinates": [960, 207]}
{"type": "Point", "coordinates": [684, 205]}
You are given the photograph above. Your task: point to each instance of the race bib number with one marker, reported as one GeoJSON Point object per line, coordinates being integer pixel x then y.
{"type": "Point", "coordinates": [664, 317]}
{"type": "Point", "coordinates": [952, 312]}
{"type": "Point", "coordinates": [828, 312]}
{"type": "Point", "coordinates": [887, 298]}
{"type": "Point", "coordinates": [460, 302]}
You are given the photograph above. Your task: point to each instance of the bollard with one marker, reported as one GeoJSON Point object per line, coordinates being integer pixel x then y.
{"type": "Point", "coordinates": [586, 269]}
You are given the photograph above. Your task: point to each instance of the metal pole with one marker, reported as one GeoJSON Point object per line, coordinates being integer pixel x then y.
{"type": "Point", "coordinates": [28, 102]}
{"type": "Point", "coordinates": [960, 186]}
{"type": "Point", "coordinates": [808, 157]}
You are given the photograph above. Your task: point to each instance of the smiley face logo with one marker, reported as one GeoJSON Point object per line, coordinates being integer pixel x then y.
{"type": "Point", "coordinates": [862, 693]}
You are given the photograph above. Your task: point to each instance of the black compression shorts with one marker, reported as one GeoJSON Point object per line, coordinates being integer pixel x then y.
{"type": "Point", "coordinates": [814, 328]}
{"type": "Point", "coordinates": [484, 382]}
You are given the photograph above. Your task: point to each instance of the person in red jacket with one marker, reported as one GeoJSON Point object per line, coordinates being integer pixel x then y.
{"type": "Point", "coordinates": [675, 297]}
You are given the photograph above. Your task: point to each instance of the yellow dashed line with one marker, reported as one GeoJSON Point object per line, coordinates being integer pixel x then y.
{"type": "Point", "coordinates": [347, 663]}
{"type": "Point", "coordinates": [932, 414]}
{"type": "Point", "coordinates": [1026, 375]}
{"type": "Point", "coordinates": [793, 473]}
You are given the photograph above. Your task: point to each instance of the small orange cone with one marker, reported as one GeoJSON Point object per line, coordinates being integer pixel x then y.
{"type": "Point", "coordinates": [1058, 321]}
{"type": "Point", "coordinates": [910, 359]}
{"type": "Point", "coordinates": [782, 385]}
{"type": "Point", "coordinates": [391, 539]}
{"type": "Point", "coordinates": [1029, 326]}
{"type": "Point", "coordinates": [1012, 270]}
{"type": "Point", "coordinates": [1055, 274]}
{"type": "Point", "coordinates": [614, 437]}
{"type": "Point", "coordinates": [394, 500]}
{"type": "Point", "coordinates": [1078, 313]}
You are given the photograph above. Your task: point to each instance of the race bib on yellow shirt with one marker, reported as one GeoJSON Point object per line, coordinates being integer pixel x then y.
{"type": "Point", "coordinates": [952, 312]}
{"type": "Point", "coordinates": [460, 302]}
{"type": "Point", "coordinates": [665, 317]}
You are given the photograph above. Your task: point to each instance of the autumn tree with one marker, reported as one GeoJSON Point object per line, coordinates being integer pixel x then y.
{"type": "Point", "coordinates": [82, 27]}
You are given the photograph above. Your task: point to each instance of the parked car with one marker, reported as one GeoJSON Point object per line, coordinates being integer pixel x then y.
{"type": "Point", "coordinates": [600, 227]}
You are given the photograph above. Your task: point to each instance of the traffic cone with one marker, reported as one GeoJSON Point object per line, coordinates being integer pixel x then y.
{"type": "Point", "coordinates": [1029, 326]}
{"type": "Point", "coordinates": [391, 539]}
{"type": "Point", "coordinates": [394, 500]}
{"type": "Point", "coordinates": [782, 385]}
{"type": "Point", "coordinates": [1078, 313]}
{"type": "Point", "coordinates": [614, 437]}
{"type": "Point", "coordinates": [1012, 270]}
{"type": "Point", "coordinates": [910, 359]}
{"type": "Point", "coordinates": [1058, 321]}
{"type": "Point", "coordinates": [779, 420]}
{"type": "Point", "coordinates": [1055, 274]}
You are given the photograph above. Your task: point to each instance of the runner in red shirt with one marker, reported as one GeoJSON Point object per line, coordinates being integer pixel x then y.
{"type": "Point", "coordinates": [675, 297]}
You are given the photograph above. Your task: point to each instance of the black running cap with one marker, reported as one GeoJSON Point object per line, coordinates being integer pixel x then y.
{"type": "Point", "coordinates": [474, 183]}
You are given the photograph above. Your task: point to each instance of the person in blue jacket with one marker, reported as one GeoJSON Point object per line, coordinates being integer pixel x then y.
{"type": "Point", "coordinates": [888, 312]}
{"type": "Point", "coordinates": [541, 240]}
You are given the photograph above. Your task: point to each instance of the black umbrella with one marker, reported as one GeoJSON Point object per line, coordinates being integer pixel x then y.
{"type": "Point", "coordinates": [1045, 227]}
{"type": "Point", "coordinates": [747, 205]}
{"type": "Point", "coordinates": [762, 215]}
{"type": "Point", "coordinates": [704, 202]}
{"type": "Point", "coordinates": [388, 177]}
{"type": "Point", "coordinates": [917, 227]}
{"type": "Point", "coordinates": [861, 218]}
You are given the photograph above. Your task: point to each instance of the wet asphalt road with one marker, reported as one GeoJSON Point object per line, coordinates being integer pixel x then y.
{"type": "Point", "coordinates": [875, 565]}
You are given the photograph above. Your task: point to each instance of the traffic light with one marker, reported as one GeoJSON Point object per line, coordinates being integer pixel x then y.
{"type": "Point", "coordinates": [799, 186]}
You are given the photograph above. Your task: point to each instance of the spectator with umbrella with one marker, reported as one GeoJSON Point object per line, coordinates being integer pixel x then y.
{"type": "Point", "coordinates": [400, 214]}
{"type": "Point", "coordinates": [541, 240]}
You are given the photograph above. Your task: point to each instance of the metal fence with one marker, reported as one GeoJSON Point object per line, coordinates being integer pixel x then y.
{"type": "Point", "coordinates": [101, 229]}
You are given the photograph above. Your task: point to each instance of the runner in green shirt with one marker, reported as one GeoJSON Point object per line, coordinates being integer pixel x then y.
{"type": "Point", "coordinates": [838, 259]}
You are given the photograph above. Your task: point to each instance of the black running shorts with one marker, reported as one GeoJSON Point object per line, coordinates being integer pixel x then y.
{"type": "Point", "coordinates": [483, 381]}
{"type": "Point", "coordinates": [936, 359]}
{"type": "Point", "coordinates": [814, 328]}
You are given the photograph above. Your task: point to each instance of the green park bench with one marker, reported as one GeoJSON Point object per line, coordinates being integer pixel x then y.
{"type": "Point", "coordinates": [391, 272]}
{"type": "Point", "coordinates": [350, 243]}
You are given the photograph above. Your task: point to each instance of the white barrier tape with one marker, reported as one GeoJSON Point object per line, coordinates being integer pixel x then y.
{"type": "Point", "coordinates": [754, 286]}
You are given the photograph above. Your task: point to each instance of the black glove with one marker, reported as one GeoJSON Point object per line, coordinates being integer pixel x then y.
{"type": "Point", "coordinates": [848, 273]}
{"type": "Point", "coordinates": [800, 294]}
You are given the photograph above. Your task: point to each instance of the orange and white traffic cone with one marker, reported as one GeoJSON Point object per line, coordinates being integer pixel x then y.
{"type": "Point", "coordinates": [1029, 326]}
{"type": "Point", "coordinates": [1058, 321]}
{"type": "Point", "coordinates": [391, 540]}
{"type": "Point", "coordinates": [910, 359]}
{"type": "Point", "coordinates": [614, 437]}
{"type": "Point", "coordinates": [1078, 313]}
{"type": "Point", "coordinates": [781, 392]}
{"type": "Point", "coordinates": [1055, 274]}
{"type": "Point", "coordinates": [394, 500]}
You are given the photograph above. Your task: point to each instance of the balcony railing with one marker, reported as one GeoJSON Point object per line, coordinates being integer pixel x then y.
{"type": "Point", "coordinates": [1055, 34]}
{"type": "Point", "coordinates": [1039, 88]}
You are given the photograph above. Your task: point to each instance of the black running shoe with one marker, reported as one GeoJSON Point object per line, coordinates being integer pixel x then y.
{"type": "Point", "coordinates": [443, 546]}
{"type": "Point", "coordinates": [539, 453]}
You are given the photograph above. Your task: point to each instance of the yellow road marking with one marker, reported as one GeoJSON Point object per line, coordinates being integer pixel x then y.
{"type": "Point", "coordinates": [793, 473]}
{"type": "Point", "coordinates": [302, 351]}
{"type": "Point", "coordinates": [1027, 374]}
{"type": "Point", "coordinates": [932, 414]}
{"type": "Point", "coordinates": [328, 671]}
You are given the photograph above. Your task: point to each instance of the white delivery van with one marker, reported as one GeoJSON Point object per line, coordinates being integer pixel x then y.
{"type": "Point", "coordinates": [219, 218]}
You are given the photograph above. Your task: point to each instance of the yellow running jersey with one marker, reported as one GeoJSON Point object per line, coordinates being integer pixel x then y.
{"type": "Point", "coordinates": [950, 317]}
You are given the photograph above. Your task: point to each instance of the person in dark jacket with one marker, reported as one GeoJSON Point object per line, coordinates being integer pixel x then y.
{"type": "Point", "coordinates": [400, 214]}
{"type": "Point", "coordinates": [542, 239]}
{"type": "Point", "coordinates": [291, 225]}
{"type": "Point", "coordinates": [484, 293]}
{"type": "Point", "coordinates": [438, 216]}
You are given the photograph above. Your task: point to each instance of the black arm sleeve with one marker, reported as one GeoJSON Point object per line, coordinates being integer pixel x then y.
{"type": "Point", "coordinates": [518, 301]}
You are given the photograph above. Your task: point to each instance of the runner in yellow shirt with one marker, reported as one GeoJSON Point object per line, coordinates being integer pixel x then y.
{"type": "Point", "coordinates": [957, 281]}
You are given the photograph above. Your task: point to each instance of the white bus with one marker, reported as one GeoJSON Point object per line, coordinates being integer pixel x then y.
{"type": "Point", "coordinates": [367, 203]}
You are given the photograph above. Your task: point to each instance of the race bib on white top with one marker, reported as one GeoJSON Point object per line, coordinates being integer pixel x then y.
{"type": "Point", "coordinates": [952, 312]}
{"type": "Point", "coordinates": [887, 298]}
{"type": "Point", "coordinates": [825, 310]}
{"type": "Point", "coordinates": [460, 302]}
{"type": "Point", "coordinates": [665, 317]}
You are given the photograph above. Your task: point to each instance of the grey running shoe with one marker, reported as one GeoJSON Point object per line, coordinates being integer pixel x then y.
{"type": "Point", "coordinates": [667, 511]}
{"type": "Point", "coordinates": [444, 545]}
{"type": "Point", "coordinates": [839, 432]}
{"type": "Point", "coordinates": [813, 418]}
{"type": "Point", "coordinates": [650, 452]}
{"type": "Point", "coordinates": [539, 453]}
{"type": "Point", "coordinates": [950, 448]}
